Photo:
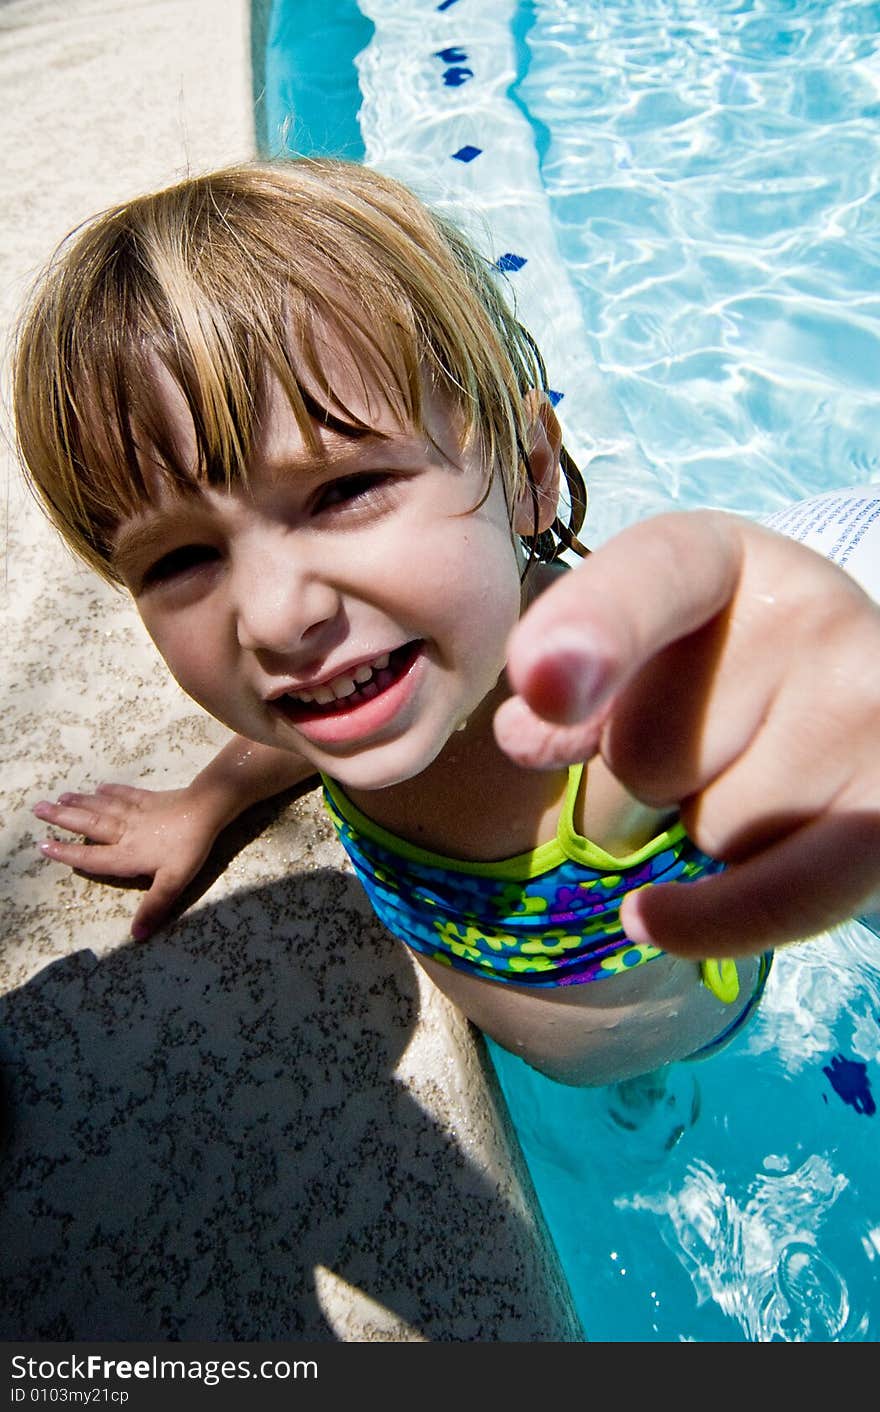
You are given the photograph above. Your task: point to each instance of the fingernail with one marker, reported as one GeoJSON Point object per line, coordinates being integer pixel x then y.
{"type": "Point", "coordinates": [46, 847]}
{"type": "Point", "coordinates": [139, 932]}
{"type": "Point", "coordinates": [581, 671]}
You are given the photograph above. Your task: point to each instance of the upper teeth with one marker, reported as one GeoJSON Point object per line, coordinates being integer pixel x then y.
{"type": "Point", "coordinates": [344, 685]}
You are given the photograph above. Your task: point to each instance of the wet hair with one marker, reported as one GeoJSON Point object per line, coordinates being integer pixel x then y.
{"type": "Point", "coordinates": [227, 281]}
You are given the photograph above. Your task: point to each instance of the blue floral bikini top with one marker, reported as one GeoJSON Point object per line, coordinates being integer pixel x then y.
{"type": "Point", "coordinates": [548, 917]}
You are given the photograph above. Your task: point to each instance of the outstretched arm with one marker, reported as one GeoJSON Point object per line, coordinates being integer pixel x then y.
{"type": "Point", "coordinates": [725, 669]}
{"type": "Point", "coordinates": [166, 835]}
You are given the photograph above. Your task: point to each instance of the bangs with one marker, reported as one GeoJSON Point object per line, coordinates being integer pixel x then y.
{"type": "Point", "coordinates": [177, 410]}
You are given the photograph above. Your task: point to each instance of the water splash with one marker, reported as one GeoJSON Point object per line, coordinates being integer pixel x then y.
{"type": "Point", "coordinates": [804, 1018]}
{"type": "Point", "coordinates": [756, 1254]}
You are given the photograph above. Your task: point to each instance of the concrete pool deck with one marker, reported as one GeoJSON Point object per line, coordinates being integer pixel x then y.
{"type": "Point", "coordinates": [263, 1124]}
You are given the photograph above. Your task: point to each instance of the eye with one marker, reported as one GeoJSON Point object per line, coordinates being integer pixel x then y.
{"type": "Point", "coordinates": [178, 562]}
{"type": "Point", "coordinates": [352, 490]}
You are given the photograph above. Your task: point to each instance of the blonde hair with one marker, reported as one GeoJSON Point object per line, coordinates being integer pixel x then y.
{"type": "Point", "coordinates": [227, 280]}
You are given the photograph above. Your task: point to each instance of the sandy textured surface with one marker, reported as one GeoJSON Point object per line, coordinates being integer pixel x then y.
{"type": "Point", "coordinates": [260, 1125]}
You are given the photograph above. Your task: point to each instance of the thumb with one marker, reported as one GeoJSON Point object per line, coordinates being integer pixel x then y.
{"type": "Point", "coordinates": [156, 905]}
{"type": "Point", "coordinates": [539, 744]}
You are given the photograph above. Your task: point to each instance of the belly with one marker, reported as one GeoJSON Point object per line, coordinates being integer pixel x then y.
{"type": "Point", "coordinates": [604, 1031]}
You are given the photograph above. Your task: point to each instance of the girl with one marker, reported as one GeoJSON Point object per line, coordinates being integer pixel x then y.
{"type": "Point", "coordinates": [287, 408]}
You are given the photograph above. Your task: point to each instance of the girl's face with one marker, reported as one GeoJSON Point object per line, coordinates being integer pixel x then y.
{"type": "Point", "coordinates": [352, 605]}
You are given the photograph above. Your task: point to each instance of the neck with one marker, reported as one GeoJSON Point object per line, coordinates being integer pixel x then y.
{"type": "Point", "coordinates": [516, 808]}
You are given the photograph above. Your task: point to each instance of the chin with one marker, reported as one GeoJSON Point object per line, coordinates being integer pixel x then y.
{"type": "Point", "coordinates": [368, 770]}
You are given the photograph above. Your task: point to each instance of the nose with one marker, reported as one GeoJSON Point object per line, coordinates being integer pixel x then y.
{"type": "Point", "coordinates": [282, 604]}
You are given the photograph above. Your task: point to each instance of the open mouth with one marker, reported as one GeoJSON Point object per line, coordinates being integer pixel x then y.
{"type": "Point", "coordinates": [346, 694]}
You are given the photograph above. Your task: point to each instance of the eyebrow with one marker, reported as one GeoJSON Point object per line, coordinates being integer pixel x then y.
{"type": "Point", "coordinates": [142, 536]}
{"type": "Point", "coordinates": [339, 450]}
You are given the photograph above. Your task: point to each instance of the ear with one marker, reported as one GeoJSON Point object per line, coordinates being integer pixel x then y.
{"type": "Point", "coordinates": [544, 442]}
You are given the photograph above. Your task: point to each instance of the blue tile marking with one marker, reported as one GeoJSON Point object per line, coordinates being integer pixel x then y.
{"type": "Point", "coordinates": [445, 4]}
{"type": "Point", "coordinates": [451, 56]}
{"type": "Point", "coordinates": [454, 78]}
{"type": "Point", "coordinates": [467, 153]}
{"type": "Point", "coordinates": [849, 1079]}
{"type": "Point", "coordinates": [554, 398]}
{"type": "Point", "coordinates": [509, 263]}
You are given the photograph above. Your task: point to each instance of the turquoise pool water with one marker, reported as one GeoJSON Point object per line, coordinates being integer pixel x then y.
{"type": "Point", "coordinates": [685, 197]}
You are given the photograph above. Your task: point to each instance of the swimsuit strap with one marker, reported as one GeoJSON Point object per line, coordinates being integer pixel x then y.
{"type": "Point", "coordinates": [565, 825]}
{"type": "Point", "coordinates": [720, 977]}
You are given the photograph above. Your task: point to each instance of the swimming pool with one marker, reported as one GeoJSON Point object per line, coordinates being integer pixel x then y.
{"type": "Point", "coordinates": [684, 200]}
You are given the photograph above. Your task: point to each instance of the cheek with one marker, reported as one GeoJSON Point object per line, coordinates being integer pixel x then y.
{"type": "Point", "coordinates": [191, 654]}
{"type": "Point", "coordinates": [482, 593]}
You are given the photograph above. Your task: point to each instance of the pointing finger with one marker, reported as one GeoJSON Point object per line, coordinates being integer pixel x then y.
{"type": "Point", "coordinates": [592, 630]}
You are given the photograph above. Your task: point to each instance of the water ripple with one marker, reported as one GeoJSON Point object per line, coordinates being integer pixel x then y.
{"type": "Point", "coordinates": [755, 1253]}
{"type": "Point", "coordinates": [714, 181]}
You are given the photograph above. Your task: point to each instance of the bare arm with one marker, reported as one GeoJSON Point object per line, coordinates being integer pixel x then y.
{"type": "Point", "coordinates": [244, 773]}
{"type": "Point", "coordinates": [166, 835]}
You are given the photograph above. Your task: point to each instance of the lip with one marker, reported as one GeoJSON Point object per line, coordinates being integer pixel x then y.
{"type": "Point", "coordinates": [347, 724]}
